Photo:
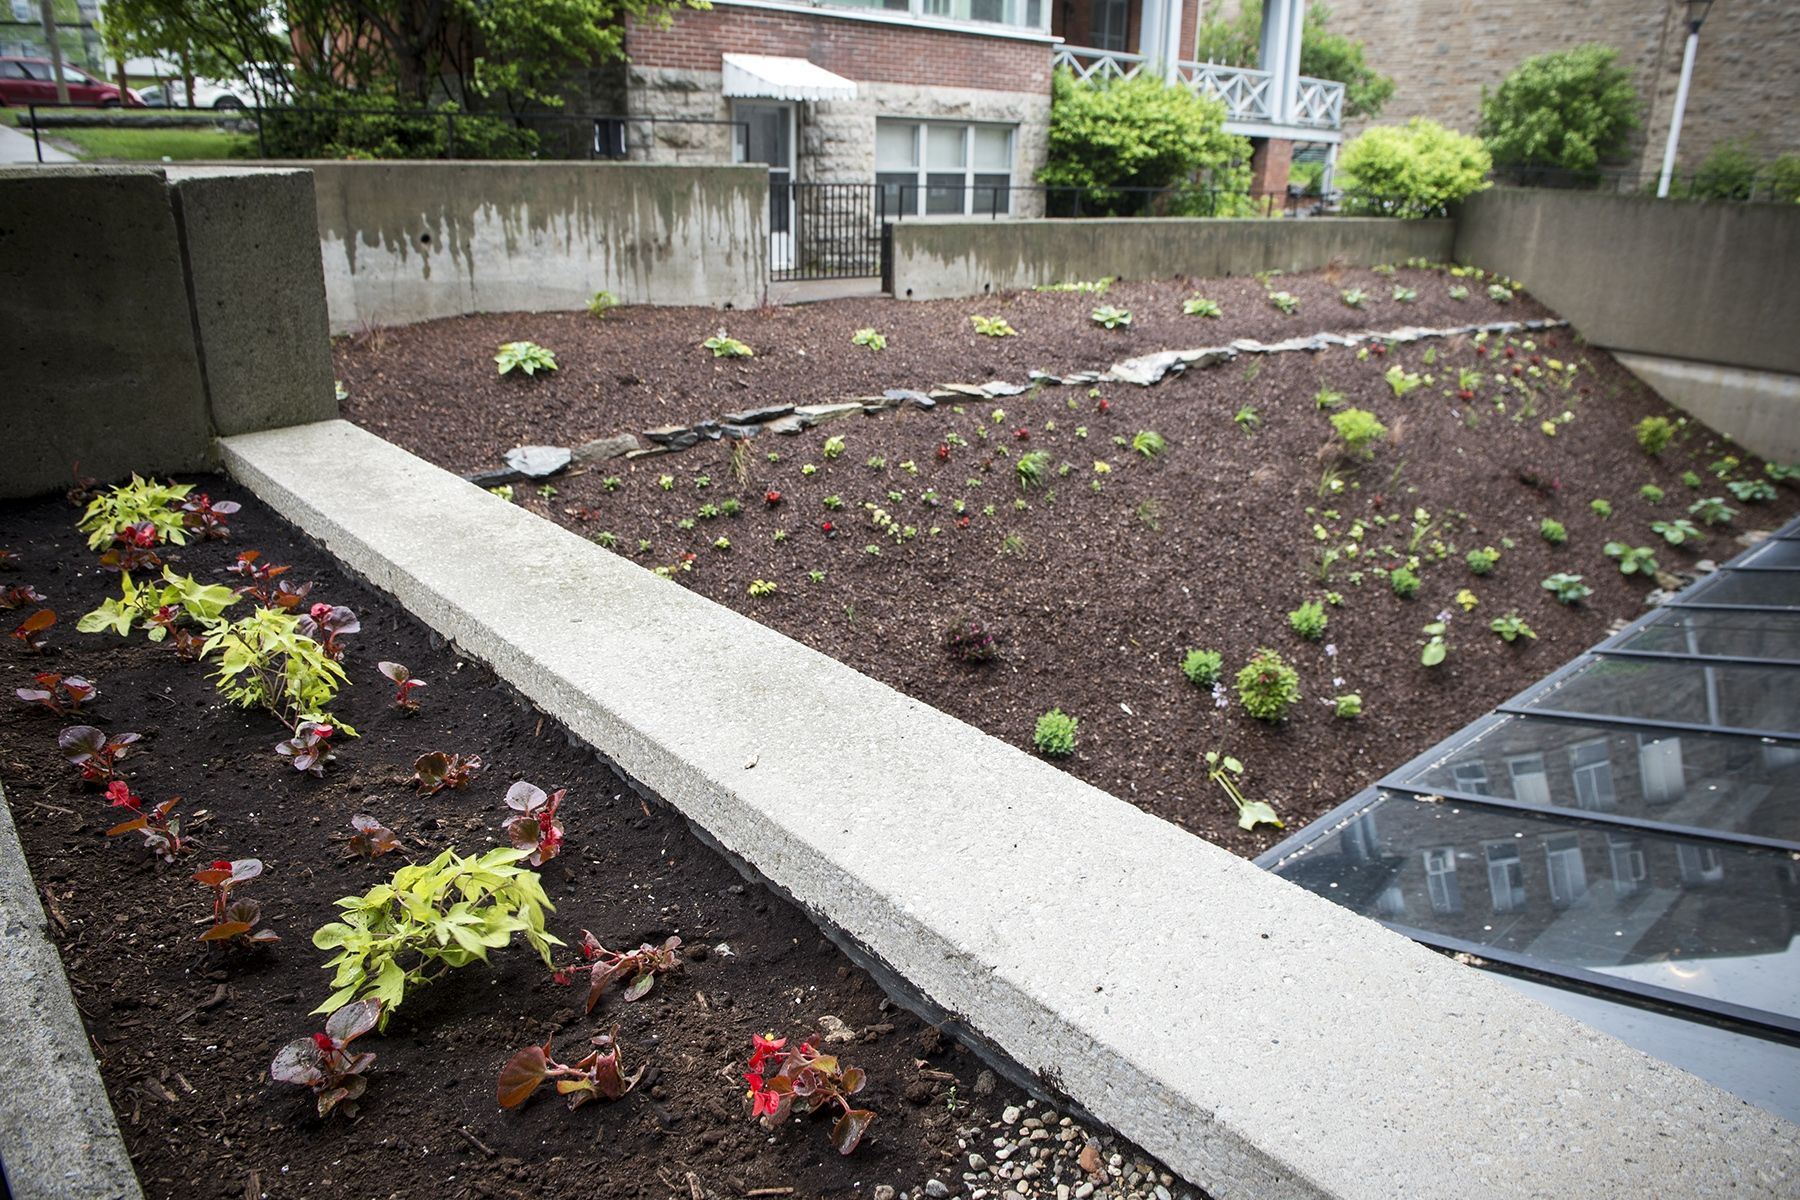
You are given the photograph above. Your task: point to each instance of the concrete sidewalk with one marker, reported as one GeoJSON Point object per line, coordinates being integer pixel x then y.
{"type": "Point", "coordinates": [17, 147]}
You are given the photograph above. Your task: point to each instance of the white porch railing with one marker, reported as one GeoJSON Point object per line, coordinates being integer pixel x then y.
{"type": "Point", "coordinates": [1249, 94]}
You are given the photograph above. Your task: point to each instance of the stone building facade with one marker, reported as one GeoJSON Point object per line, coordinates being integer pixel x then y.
{"type": "Point", "coordinates": [1441, 53]}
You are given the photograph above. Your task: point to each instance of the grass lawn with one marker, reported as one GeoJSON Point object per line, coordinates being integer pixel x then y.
{"type": "Point", "coordinates": [151, 145]}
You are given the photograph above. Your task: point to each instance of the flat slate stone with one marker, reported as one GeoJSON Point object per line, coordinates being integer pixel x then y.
{"type": "Point", "coordinates": [600, 449]}
{"type": "Point", "coordinates": [676, 437]}
{"type": "Point", "coordinates": [902, 395]}
{"type": "Point", "coordinates": [972, 391]}
{"type": "Point", "coordinates": [538, 462]}
{"type": "Point", "coordinates": [739, 433]}
{"type": "Point", "coordinates": [788, 425]}
{"type": "Point", "coordinates": [1000, 387]}
{"type": "Point", "coordinates": [757, 416]}
{"type": "Point", "coordinates": [818, 414]}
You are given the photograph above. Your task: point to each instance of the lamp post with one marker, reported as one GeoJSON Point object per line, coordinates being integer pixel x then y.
{"type": "Point", "coordinates": [1696, 13]}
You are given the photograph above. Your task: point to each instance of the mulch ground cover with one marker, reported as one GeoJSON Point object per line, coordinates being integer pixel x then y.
{"type": "Point", "coordinates": [185, 1032]}
{"type": "Point", "coordinates": [1098, 581]}
{"type": "Point", "coordinates": [432, 387]}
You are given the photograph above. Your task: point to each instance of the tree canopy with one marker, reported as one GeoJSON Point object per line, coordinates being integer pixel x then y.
{"type": "Point", "coordinates": [1323, 54]}
{"type": "Point", "coordinates": [1572, 109]}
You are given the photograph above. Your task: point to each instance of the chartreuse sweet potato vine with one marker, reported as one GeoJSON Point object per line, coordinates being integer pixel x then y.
{"type": "Point", "coordinates": [132, 504]}
{"type": "Point", "coordinates": [155, 609]}
{"type": "Point", "coordinates": [265, 660]}
{"type": "Point", "coordinates": [429, 919]}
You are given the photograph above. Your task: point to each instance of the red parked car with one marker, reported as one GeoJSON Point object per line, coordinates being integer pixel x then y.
{"type": "Point", "coordinates": [31, 81]}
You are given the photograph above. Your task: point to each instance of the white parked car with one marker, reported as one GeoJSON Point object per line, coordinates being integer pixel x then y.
{"type": "Point", "coordinates": [213, 93]}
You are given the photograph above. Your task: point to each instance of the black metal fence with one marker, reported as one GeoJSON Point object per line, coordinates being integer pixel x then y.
{"type": "Point", "coordinates": [826, 230]}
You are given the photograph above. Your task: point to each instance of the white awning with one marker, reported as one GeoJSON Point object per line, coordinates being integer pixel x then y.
{"type": "Point", "coordinates": [766, 77]}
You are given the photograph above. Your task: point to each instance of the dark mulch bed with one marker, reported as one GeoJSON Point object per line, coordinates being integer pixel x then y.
{"type": "Point", "coordinates": [433, 388]}
{"type": "Point", "coordinates": [185, 1035]}
{"type": "Point", "coordinates": [1209, 545]}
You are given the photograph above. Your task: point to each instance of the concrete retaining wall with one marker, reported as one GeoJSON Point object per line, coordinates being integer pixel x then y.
{"type": "Point", "coordinates": [141, 311]}
{"type": "Point", "coordinates": [935, 260]}
{"type": "Point", "coordinates": [411, 241]}
{"type": "Point", "coordinates": [1709, 284]}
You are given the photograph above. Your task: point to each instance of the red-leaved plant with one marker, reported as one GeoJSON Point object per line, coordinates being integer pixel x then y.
{"type": "Point", "coordinates": [93, 751]}
{"type": "Point", "coordinates": [203, 513]}
{"type": "Point", "coordinates": [234, 919]}
{"type": "Point", "coordinates": [780, 1078]}
{"type": "Point", "coordinates": [162, 835]}
{"type": "Point", "coordinates": [134, 549]}
{"type": "Point", "coordinates": [264, 586]}
{"type": "Point", "coordinates": [328, 625]}
{"type": "Point", "coordinates": [600, 1075]}
{"type": "Point", "coordinates": [606, 967]}
{"type": "Point", "coordinates": [534, 825]}
{"type": "Point", "coordinates": [20, 595]}
{"type": "Point", "coordinates": [436, 771]}
{"type": "Point", "coordinates": [968, 640]}
{"type": "Point", "coordinates": [61, 694]}
{"type": "Point", "coordinates": [309, 748]}
{"type": "Point", "coordinates": [404, 684]}
{"type": "Point", "coordinates": [325, 1063]}
{"type": "Point", "coordinates": [372, 839]}
{"type": "Point", "coordinates": [34, 631]}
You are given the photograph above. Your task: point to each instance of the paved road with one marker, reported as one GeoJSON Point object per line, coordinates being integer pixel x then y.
{"type": "Point", "coordinates": [16, 147]}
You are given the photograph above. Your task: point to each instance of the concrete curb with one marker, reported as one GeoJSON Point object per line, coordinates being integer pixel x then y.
{"type": "Point", "coordinates": [58, 1137]}
{"type": "Point", "coordinates": [1260, 1040]}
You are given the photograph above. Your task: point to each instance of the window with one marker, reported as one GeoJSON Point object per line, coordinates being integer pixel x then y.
{"type": "Point", "coordinates": [1111, 25]}
{"type": "Point", "coordinates": [1440, 880]}
{"type": "Point", "coordinates": [1568, 874]}
{"type": "Point", "coordinates": [1506, 876]}
{"type": "Point", "coordinates": [1590, 767]}
{"type": "Point", "coordinates": [1531, 784]}
{"type": "Point", "coordinates": [938, 167]}
{"type": "Point", "coordinates": [1471, 777]}
{"type": "Point", "coordinates": [12, 71]}
{"type": "Point", "coordinates": [1699, 864]}
{"type": "Point", "coordinates": [1659, 763]}
{"type": "Point", "coordinates": [1027, 13]}
{"type": "Point", "coordinates": [1628, 869]}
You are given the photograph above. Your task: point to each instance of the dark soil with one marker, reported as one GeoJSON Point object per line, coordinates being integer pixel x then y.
{"type": "Point", "coordinates": [433, 388]}
{"type": "Point", "coordinates": [1095, 596]}
{"type": "Point", "coordinates": [185, 1034]}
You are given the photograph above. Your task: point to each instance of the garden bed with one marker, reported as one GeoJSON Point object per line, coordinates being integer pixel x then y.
{"type": "Point", "coordinates": [185, 1032]}
{"type": "Point", "coordinates": [1096, 585]}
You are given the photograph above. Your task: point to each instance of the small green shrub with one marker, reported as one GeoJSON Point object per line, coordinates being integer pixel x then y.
{"type": "Point", "coordinates": [1567, 588]}
{"type": "Point", "coordinates": [1482, 562]}
{"type": "Point", "coordinates": [1416, 170]}
{"type": "Point", "coordinates": [1267, 687]}
{"type": "Point", "coordinates": [1346, 708]}
{"type": "Point", "coordinates": [723, 345]}
{"type": "Point", "coordinates": [1202, 667]}
{"type": "Point", "coordinates": [600, 304]}
{"type": "Point", "coordinates": [1458, 292]}
{"type": "Point", "coordinates": [1404, 583]}
{"type": "Point", "coordinates": [1200, 306]}
{"type": "Point", "coordinates": [1712, 510]}
{"type": "Point", "coordinates": [1405, 295]}
{"type": "Point", "coordinates": [1570, 109]}
{"type": "Point", "coordinates": [1308, 620]}
{"type": "Point", "coordinates": [528, 357]}
{"type": "Point", "coordinates": [834, 446]}
{"type": "Point", "coordinates": [1054, 736]}
{"type": "Point", "coordinates": [1751, 491]}
{"type": "Point", "coordinates": [1287, 302]}
{"type": "Point", "coordinates": [1031, 468]}
{"type": "Point", "coordinates": [1511, 628]}
{"type": "Point", "coordinates": [1601, 508]}
{"type": "Point", "coordinates": [1499, 293]}
{"type": "Point", "coordinates": [1651, 494]}
{"type": "Point", "coordinates": [1111, 317]}
{"type": "Point", "coordinates": [762, 587]}
{"type": "Point", "coordinates": [1359, 430]}
{"type": "Point", "coordinates": [993, 327]}
{"type": "Point", "coordinates": [1678, 531]}
{"type": "Point", "coordinates": [1325, 399]}
{"type": "Point", "coordinates": [1435, 647]}
{"type": "Point", "coordinates": [1552, 531]}
{"type": "Point", "coordinates": [869, 338]}
{"type": "Point", "coordinates": [1353, 297]}
{"type": "Point", "coordinates": [1149, 443]}
{"type": "Point", "coordinates": [1632, 560]}
{"type": "Point", "coordinates": [1654, 434]}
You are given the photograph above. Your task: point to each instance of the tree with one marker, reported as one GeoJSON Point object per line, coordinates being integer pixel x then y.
{"type": "Point", "coordinates": [1414, 170]}
{"type": "Point", "coordinates": [1138, 133]}
{"type": "Point", "coordinates": [1571, 109]}
{"type": "Point", "coordinates": [1323, 54]}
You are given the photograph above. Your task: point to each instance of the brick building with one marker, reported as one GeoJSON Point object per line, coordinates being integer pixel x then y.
{"type": "Point", "coordinates": [1746, 78]}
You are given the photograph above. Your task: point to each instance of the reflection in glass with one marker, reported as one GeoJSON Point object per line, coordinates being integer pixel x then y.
{"type": "Point", "coordinates": [1719, 632]}
{"type": "Point", "coordinates": [1771, 589]}
{"type": "Point", "coordinates": [1773, 553]}
{"type": "Point", "coordinates": [1734, 696]}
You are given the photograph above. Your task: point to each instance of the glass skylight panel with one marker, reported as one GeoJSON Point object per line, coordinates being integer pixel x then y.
{"type": "Point", "coordinates": [1760, 589]}
{"type": "Point", "coordinates": [1716, 632]}
{"type": "Point", "coordinates": [1765, 699]}
{"type": "Point", "coordinates": [1774, 553]}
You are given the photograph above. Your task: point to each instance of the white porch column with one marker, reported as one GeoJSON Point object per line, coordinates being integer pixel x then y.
{"type": "Point", "coordinates": [1280, 55]}
{"type": "Point", "coordinates": [1175, 51]}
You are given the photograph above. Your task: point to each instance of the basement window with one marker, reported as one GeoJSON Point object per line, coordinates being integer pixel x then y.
{"type": "Point", "coordinates": [940, 168]}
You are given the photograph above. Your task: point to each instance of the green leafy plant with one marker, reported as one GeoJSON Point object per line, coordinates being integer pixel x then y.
{"type": "Point", "coordinates": [1499, 293]}
{"type": "Point", "coordinates": [266, 660]}
{"type": "Point", "coordinates": [1325, 398]}
{"type": "Point", "coordinates": [1483, 561]}
{"type": "Point", "coordinates": [870, 338]}
{"type": "Point", "coordinates": [528, 357]}
{"type": "Point", "coordinates": [1226, 771]}
{"type": "Point", "coordinates": [1553, 531]}
{"type": "Point", "coordinates": [1511, 628]}
{"type": "Point", "coordinates": [1406, 295]}
{"type": "Point", "coordinates": [1202, 667]}
{"type": "Point", "coordinates": [1200, 306]}
{"type": "Point", "coordinates": [1054, 735]}
{"type": "Point", "coordinates": [1149, 443]}
{"type": "Point", "coordinates": [1751, 491]}
{"type": "Point", "coordinates": [1651, 494]}
{"type": "Point", "coordinates": [1601, 508]}
{"type": "Point", "coordinates": [1353, 297]}
{"type": "Point", "coordinates": [761, 587]}
{"type": "Point", "coordinates": [1093, 287]}
{"type": "Point", "coordinates": [1567, 588]}
{"type": "Point", "coordinates": [1570, 109]}
{"type": "Point", "coordinates": [1712, 511]}
{"type": "Point", "coordinates": [1458, 292]}
{"type": "Point", "coordinates": [1691, 479]}
{"type": "Point", "coordinates": [1110, 316]}
{"type": "Point", "coordinates": [132, 506]}
{"type": "Point", "coordinates": [1401, 380]}
{"type": "Point", "coordinates": [834, 446]}
{"type": "Point", "coordinates": [1654, 434]}
{"type": "Point", "coordinates": [1435, 647]}
{"type": "Point", "coordinates": [429, 919]}
{"type": "Point", "coordinates": [325, 1063]}
{"type": "Point", "coordinates": [601, 303]}
{"type": "Point", "coordinates": [1287, 302]}
{"type": "Point", "coordinates": [1416, 170]}
{"type": "Point", "coordinates": [1308, 620]}
{"type": "Point", "coordinates": [1031, 468]}
{"type": "Point", "coordinates": [1358, 429]}
{"type": "Point", "coordinates": [156, 609]}
{"type": "Point", "coordinates": [1267, 687]}
{"type": "Point", "coordinates": [723, 345]}
{"type": "Point", "coordinates": [1404, 582]}
{"type": "Point", "coordinates": [1347, 707]}
{"type": "Point", "coordinates": [1677, 531]}
{"type": "Point", "coordinates": [993, 327]}
{"type": "Point", "coordinates": [1632, 560]}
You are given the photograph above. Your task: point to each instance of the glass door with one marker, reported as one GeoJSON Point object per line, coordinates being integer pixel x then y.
{"type": "Point", "coordinates": [766, 135]}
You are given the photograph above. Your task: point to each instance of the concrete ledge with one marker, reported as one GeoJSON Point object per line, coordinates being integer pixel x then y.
{"type": "Point", "coordinates": [939, 259]}
{"type": "Point", "coordinates": [1262, 1041]}
{"type": "Point", "coordinates": [58, 1137]}
{"type": "Point", "coordinates": [1760, 410]}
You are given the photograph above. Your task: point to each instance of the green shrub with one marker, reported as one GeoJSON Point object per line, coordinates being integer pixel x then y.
{"type": "Point", "coordinates": [1139, 133]}
{"type": "Point", "coordinates": [1654, 434]}
{"type": "Point", "coordinates": [1032, 467]}
{"type": "Point", "coordinates": [1651, 494]}
{"type": "Point", "coordinates": [1729, 172]}
{"type": "Point", "coordinates": [1200, 306]}
{"type": "Point", "coordinates": [528, 357]}
{"type": "Point", "coordinates": [1567, 588]}
{"type": "Point", "coordinates": [1267, 687]}
{"type": "Point", "coordinates": [1571, 109]}
{"type": "Point", "coordinates": [1202, 667]}
{"type": "Point", "coordinates": [340, 123]}
{"type": "Point", "coordinates": [1601, 508]}
{"type": "Point", "coordinates": [1149, 443]}
{"type": "Point", "coordinates": [1782, 178]}
{"type": "Point", "coordinates": [1054, 736]}
{"type": "Point", "coordinates": [1481, 562]}
{"type": "Point", "coordinates": [1552, 531]}
{"type": "Point", "coordinates": [1416, 170]}
{"type": "Point", "coordinates": [723, 345]}
{"type": "Point", "coordinates": [1359, 430]}
{"type": "Point", "coordinates": [1346, 708]}
{"type": "Point", "coordinates": [1308, 620]}
{"type": "Point", "coordinates": [1404, 582]}
{"type": "Point", "coordinates": [601, 303]}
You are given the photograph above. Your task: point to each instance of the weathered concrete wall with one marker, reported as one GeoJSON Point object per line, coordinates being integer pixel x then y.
{"type": "Point", "coordinates": [1710, 282]}
{"type": "Point", "coordinates": [411, 241]}
{"type": "Point", "coordinates": [934, 259]}
{"type": "Point", "coordinates": [1760, 410]}
{"type": "Point", "coordinates": [140, 315]}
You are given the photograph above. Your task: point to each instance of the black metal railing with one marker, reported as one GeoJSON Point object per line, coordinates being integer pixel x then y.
{"type": "Point", "coordinates": [825, 230]}
{"type": "Point", "coordinates": [993, 201]}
